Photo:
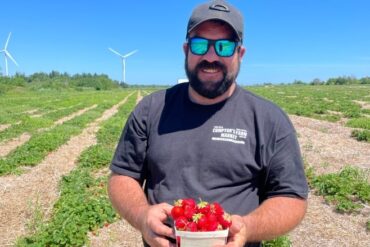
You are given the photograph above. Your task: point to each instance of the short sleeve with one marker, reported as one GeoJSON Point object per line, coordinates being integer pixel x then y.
{"type": "Point", "coordinates": [285, 173]}
{"type": "Point", "coordinates": [130, 154]}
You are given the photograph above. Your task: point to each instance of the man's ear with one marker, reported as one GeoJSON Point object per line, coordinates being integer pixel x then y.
{"type": "Point", "coordinates": [185, 47]}
{"type": "Point", "coordinates": [241, 51]}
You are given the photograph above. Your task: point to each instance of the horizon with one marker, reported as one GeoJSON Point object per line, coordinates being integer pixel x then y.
{"type": "Point", "coordinates": [285, 41]}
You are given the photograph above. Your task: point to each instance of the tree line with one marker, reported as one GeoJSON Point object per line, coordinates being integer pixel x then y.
{"type": "Point", "coordinates": [341, 80]}
{"type": "Point", "coordinates": [58, 81]}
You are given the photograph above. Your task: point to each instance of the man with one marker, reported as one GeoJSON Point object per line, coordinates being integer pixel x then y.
{"type": "Point", "coordinates": [210, 139]}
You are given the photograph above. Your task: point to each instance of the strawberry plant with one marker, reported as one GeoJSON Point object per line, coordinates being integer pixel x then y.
{"type": "Point", "coordinates": [348, 190]}
{"type": "Point", "coordinates": [278, 242]}
{"type": "Point", "coordinates": [83, 205]}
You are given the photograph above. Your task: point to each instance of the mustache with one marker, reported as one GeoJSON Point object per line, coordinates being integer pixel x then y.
{"type": "Point", "coordinates": [207, 65]}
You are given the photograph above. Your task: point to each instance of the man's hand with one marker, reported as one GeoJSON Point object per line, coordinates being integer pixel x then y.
{"type": "Point", "coordinates": [237, 233]}
{"type": "Point", "coordinates": [153, 228]}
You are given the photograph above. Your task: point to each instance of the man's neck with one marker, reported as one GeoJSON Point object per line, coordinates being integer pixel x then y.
{"type": "Point", "coordinates": [199, 99]}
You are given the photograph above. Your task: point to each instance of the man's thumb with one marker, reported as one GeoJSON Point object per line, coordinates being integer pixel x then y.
{"type": "Point", "coordinates": [236, 225]}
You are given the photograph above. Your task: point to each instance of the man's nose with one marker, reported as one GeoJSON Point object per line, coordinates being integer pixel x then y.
{"type": "Point", "coordinates": [211, 54]}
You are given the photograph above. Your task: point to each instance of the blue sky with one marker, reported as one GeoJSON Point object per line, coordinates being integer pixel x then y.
{"type": "Point", "coordinates": [286, 40]}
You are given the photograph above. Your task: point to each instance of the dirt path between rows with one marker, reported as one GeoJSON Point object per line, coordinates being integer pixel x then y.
{"type": "Point", "coordinates": [325, 146]}
{"type": "Point", "coordinates": [4, 126]}
{"type": "Point", "coordinates": [37, 190]}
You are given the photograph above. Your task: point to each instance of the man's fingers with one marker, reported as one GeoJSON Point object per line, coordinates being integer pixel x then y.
{"type": "Point", "coordinates": [166, 208]}
{"type": "Point", "coordinates": [164, 230]}
{"type": "Point", "coordinates": [163, 242]}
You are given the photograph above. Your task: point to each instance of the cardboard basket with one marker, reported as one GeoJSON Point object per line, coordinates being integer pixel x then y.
{"type": "Point", "coordinates": [201, 239]}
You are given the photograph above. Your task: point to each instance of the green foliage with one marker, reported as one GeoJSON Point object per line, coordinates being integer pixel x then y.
{"type": "Point", "coordinates": [83, 205]}
{"type": "Point", "coordinates": [361, 135]}
{"type": "Point", "coordinates": [363, 123]}
{"type": "Point", "coordinates": [283, 241]}
{"type": "Point", "coordinates": [57, 81]}
{"type": "Point", "coordinates": [342, 80]}
{"type": "Point", "coordinates": [32, 152]}
{"type": "Point", "coordinates": [348, 190]}
{"type": "Point", "coordinates": [96, 157]}
{"type": "Point", "coordinates": [323, 102]}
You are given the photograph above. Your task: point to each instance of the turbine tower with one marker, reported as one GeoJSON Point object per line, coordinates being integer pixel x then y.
{"type": "Point", "coordinates": [123, 57]}
{"type": "Point", "coordinates": [7, 55]}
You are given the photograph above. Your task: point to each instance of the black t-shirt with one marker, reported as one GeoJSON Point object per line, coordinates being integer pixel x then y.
{"type": "Point", "coordinates": [238, 152]}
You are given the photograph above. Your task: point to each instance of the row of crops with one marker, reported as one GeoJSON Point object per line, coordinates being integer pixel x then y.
{"type": "Point", "coordinates": [330, 103]}
{"type": "Point", "coordinates": [83, 205]}
{"type": "Point", "coordinates": [41, 143]}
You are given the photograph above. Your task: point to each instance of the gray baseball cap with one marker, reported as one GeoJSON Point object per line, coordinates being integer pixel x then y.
{"type": "Point", "coordinates": [217, 10]}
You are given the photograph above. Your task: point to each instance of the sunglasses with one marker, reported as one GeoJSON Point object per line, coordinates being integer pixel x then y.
{"type": "Point", "coordinates": [223, 47]}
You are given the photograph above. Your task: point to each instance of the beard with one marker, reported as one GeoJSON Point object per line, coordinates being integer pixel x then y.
{"type": "Point", "coordinates": [210, 89]}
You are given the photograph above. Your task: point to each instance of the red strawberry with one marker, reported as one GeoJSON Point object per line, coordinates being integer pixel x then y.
{"type": "Point", "coordinates": [225, 220]}
{"type": "Point", "coordinates": [192, 227]}
{"type": "Point", "coordinates": [217, 209]}
{"type": "Point", "coordinates": [212, 222]}
{"type": "Point", "coordinates": [176, 212]}
{"type": "Point", "coordinates": [203, 207]}
{"type": "Point", "coordinates": [189, 211]}
{"type": "Point", "coordinates": [189, 202]}
{"type": "Point", "coordinates": [181, 223]}
{"type": "Point", "coordinates": [201, 221]}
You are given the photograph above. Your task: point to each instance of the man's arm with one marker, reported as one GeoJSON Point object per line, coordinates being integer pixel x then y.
{"type": "Point", "coordinates": [274, 217]}
{"type": "Point", "coordinates": [129, 200]}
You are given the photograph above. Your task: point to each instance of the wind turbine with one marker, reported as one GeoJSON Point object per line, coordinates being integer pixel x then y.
{"type": "Point", "coordinates": [7, 55]}
{"type": "Point", "coordinates": [123, 57]}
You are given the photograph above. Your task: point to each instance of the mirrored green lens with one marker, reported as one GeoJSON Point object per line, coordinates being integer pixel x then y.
{"type": "Point", "coordinates": [225, 48]}
{"type": "Point", "coordinates": [199, 46]}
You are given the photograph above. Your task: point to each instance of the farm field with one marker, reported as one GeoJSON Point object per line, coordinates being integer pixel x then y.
{"type": "Point", "coordinates": [55, 149]}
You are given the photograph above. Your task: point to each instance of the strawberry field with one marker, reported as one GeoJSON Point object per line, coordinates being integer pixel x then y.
{"type": "Point", "coordinates": [55, 149]}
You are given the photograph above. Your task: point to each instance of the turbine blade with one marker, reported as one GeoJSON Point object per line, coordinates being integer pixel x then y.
{"type": "Point", "coordinates": [115, 52]}
{"type": "Point", "coordinates": [7, 41]}
{"type": "Point", "coordinates": [131, 53]}
{"type": "Point", "coordinates": [10, 56]}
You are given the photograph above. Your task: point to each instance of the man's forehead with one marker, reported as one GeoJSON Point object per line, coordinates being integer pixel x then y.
{"type": "Point", "coordinates": [211, 26]}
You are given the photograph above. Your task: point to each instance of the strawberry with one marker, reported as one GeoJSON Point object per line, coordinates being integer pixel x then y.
{"type": "Point", "coordinates": [192, 227]}
{"type": "Point", "coordinates": [176, 212]}
{"type": "Point", "coordinates": [189, 211]}
{"type": "Point", "coordinates": [216, 209]}
{"type": "Point", "coordinates": [180, 223]}
{"type": "Point", "coordinates": [201, 221]}
{"type": "Point", "coordinates": [212, 222]}
{"type": "Point", "coordinates": [189, 202]}
{"type": "Point", "coordinates": [203, 207]}
{"type": "Point", "coordinates": [204, 216]}
{"type": "Point", "coordinates": [225, 220]}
